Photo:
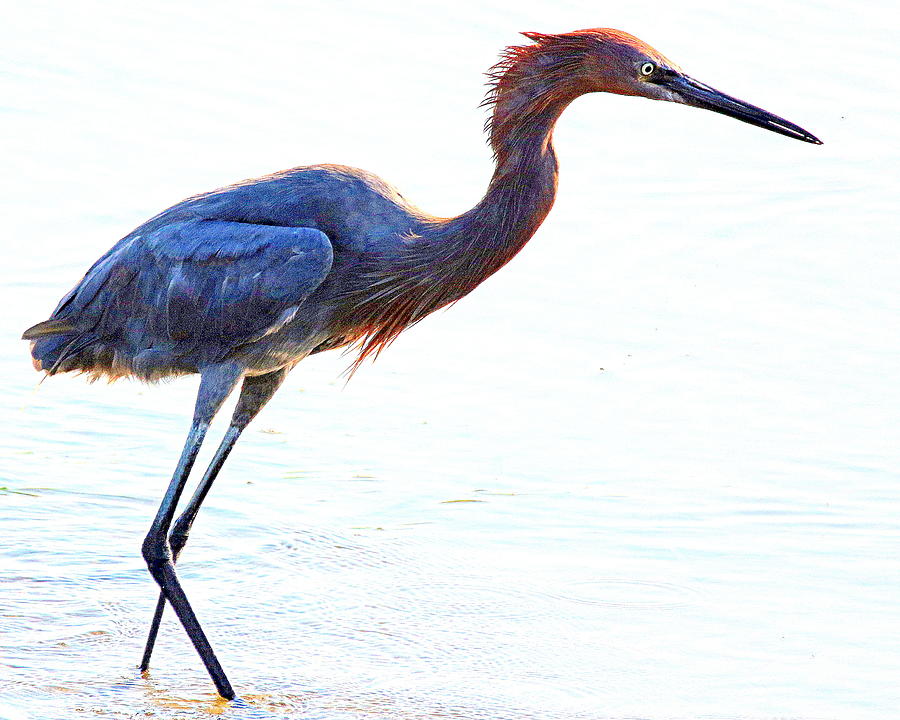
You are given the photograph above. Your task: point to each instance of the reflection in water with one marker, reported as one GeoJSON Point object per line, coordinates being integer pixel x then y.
{"type": "Point", "coordinates": [675, 408]}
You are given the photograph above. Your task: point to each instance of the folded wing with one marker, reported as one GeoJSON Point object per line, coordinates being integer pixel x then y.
{"type": "Point", "coordinates": [182, 295]}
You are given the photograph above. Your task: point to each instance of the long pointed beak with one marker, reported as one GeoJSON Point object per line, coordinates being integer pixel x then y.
{"type": "Point", "coordinates": [695, 93]}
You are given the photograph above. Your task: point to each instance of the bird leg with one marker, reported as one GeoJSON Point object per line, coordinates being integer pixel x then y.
{"type": "Point", "coordinates": [215, 385]}
{"type": "Point", "coordinates": [256, 391]}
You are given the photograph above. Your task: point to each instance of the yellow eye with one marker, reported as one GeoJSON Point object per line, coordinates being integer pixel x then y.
{"type": "Point", "coordinates": [647, 68]}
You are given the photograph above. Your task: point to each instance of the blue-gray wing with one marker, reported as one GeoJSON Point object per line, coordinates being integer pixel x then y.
{"type": "Point", "coordinates": [236, 281]}
{"type": "Point", "coordinates": [188, 293]}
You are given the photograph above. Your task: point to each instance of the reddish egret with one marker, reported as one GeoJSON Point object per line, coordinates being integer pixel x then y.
{"type": "Point", "coordinates": [240, 284]}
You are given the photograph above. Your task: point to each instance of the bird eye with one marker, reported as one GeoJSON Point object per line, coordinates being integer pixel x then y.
{"type": "Point", "coordinates": [647, 68]}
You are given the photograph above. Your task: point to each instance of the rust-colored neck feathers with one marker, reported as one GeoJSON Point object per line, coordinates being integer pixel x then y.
{"type": "Point", "coordinates": [530, 87]}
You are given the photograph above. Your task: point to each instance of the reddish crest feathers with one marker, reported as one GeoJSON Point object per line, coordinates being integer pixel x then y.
{"type": "Point", "coordinates": [563, 53]}
{"type": "Point", "coordinates": [567, 46]}
{"type": "Point", "coordinates": [558, 57]}
{"type": "Point", "coordinates": [539, 37]}
{"type": "Point", "coordinates": [601, 35]}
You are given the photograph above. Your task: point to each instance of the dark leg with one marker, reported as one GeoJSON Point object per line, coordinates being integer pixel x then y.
{"type": "Point", "coordinates": [215, 385]}
{"type": "Point", "coordinates": [255, 393]}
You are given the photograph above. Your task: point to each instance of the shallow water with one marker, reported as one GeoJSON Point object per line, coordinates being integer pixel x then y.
{"type": "Point", "coordinates": [648, 470]}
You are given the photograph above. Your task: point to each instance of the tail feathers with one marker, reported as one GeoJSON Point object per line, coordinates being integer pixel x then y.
{"type": "Point", "coordinates": [69, 352]}
{"type": "Point", "coordinates": [56, 344]}
{"type": "Point", "coordinates": [48, 327]}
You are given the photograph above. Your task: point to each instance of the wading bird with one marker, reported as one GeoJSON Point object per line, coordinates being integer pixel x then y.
{"type": "Point", "coordinates": [241, 283]}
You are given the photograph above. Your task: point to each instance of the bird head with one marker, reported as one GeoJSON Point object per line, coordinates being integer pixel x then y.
{"type": "Point", "coordinates": [607, 60]}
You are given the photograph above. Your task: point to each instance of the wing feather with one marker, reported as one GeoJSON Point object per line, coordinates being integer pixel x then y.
{"type": "Point", "coordinates": [187, 293]}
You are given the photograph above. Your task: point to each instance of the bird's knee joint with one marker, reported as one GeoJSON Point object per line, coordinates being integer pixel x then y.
{"type": "Point", "coordinates": [156, 551]}
{"type": "Point", "coordinates": [177, 539]}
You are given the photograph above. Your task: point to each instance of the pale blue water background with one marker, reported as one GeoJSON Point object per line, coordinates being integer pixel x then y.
{"type": "Point", "coordinates": [673, 418]}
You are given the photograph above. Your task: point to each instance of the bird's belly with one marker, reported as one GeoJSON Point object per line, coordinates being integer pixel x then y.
{"type": "Point", "coordinates": [285, 347]}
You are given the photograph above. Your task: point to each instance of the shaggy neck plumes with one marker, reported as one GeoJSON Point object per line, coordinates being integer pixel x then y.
{"type": "Point", "coordinates": [530, 89]}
